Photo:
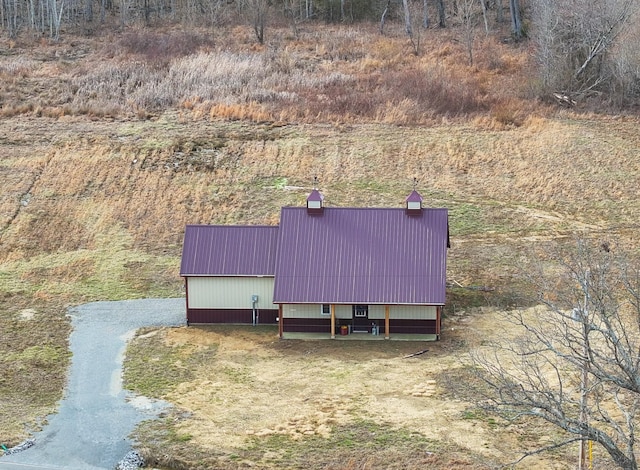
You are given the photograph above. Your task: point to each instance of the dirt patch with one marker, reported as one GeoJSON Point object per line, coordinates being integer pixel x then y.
{"type": "Point", "coordinates": [257, 387]}
{"type": "Point", "coordinates": [27, 314]}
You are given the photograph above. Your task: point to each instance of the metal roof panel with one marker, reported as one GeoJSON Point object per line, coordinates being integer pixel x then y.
{"type": "Point", "coordinates": [361, 255]}
{"type": "Point", "coordinates": [229, 250]}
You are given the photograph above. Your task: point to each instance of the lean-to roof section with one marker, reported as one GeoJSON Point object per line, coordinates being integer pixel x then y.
{"type": "Point", "coordinates": [229, 250]}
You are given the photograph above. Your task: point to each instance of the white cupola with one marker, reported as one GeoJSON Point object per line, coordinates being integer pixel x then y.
{"type": "Point", "coordinates": [413, 203]}
{"type": "Point", "coordinates": [315, 200]}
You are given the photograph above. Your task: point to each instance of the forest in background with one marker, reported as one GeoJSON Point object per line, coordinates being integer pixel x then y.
{"type": "Point", "coordinates": [579, 51]}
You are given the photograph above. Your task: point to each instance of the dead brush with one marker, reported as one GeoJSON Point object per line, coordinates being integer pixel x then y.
{"type": "Point", "coordinates": [16, 68]}
{"type": "Point", "coordinates": [159, 49]}
{"type": "Point", "coordinates": [251, 111]}
{"type": "Point", "coordinates": [435, 90]}
{"type": "Point", "coordinates": [508, 113]}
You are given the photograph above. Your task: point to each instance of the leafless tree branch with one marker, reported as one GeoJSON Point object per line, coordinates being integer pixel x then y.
{"type": "Point", "coordinates": [576, 363]}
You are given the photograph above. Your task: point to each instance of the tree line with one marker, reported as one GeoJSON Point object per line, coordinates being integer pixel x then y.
{"type": "Point", "coordinates": [583, 48]}
{"type": "Point", "coordinates": [48, 17]}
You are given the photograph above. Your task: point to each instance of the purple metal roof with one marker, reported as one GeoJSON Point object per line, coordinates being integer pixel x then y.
{"type": "Point", "coordinates": [315, 195]}
{"type": "Point", "coordinates": [414, 197]}
{"type": "Point", "coordinates": [367, 256]}
{"type": "Point", "coordinates": [229, 250]}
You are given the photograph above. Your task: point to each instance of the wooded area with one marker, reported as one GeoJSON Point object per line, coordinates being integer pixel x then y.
{"type": "Point", "coordinates": [581, 48]}
{"type": "Point", "coordinates": [49, 17]}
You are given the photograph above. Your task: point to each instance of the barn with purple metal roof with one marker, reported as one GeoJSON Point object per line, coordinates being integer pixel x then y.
{"type": "Point", "coordinates": [324, 271]}
{"type": "Point", "coordinates": [362, 256]}
{"type": "Point", "coordinates": [229, 272]}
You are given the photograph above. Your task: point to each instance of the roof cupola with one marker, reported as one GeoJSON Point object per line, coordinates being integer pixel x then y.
{"type": "Point", "coordinates": [413, 203]}
{"type": "Point", "coordinates": [315, 200]}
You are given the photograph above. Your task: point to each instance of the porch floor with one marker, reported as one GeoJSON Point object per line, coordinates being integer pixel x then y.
{"type": "Point", "coordinates": [360, 337]}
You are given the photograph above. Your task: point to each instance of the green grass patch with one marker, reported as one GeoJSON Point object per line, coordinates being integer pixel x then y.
{"type": "Point", "coordinates": [236, 375]}
{"type": "Point", "coordinates": [362, 444]}
{"type": "Point", "coordinates": [152, 369]}
{"type": "Point", "coordinates": [37, 356]}
{"type": "Point", "coordinates": [362, 440]}
{"type": "Point", "coordinates": [476, 414]}
{"type": "Point", "coordinates": [112, 270]}
{"type": "Point", "coordinates": [34, 358]}
{"type": "Point", "coordinates": [467, 219]}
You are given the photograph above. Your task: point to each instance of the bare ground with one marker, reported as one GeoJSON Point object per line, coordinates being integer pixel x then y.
{"type": "Point", "coordinates": [256, 388]}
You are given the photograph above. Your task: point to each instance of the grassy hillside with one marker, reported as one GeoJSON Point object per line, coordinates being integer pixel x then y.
{"type": "Point", "coordinates": [106, 153]}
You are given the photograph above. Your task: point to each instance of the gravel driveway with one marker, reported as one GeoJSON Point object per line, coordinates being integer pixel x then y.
{"type": "Point", "coordinates": [96, 415]}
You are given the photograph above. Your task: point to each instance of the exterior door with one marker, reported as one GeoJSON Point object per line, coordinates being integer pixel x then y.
{"type": "Point", "coordinates": [361, 318]}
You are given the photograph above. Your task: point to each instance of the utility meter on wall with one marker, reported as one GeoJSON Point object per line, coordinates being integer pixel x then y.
{"type": "Point", "coordinates": [254, 298]}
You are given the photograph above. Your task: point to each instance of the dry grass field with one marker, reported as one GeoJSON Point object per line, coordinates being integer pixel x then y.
{"type": "Point", "coordinates": [109, 146]}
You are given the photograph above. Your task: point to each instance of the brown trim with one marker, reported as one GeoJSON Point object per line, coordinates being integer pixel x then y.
{"type": "Point", "coordinates": [321, 325]}
{"type": "Point", "coordinates": [306, 325]}
{"type": "Point", "coordinates": [280, 326]}
{"type": "Point", "coordinates": [438, 321]}
{"type": "Point", "coordinates": [419, 327]}
{"type": "Point", "coordinates": [386, 322]}
{"type": "Point", "coordinates": [232, 316]}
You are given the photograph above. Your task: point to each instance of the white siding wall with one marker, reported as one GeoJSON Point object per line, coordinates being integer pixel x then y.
{"type": "Point", "coordinates": [376, 312]}
{"type": "Point", "coordinates": [344, 311]}
{"type": "Point", "coordinates": [412, 312]}
{"type": "Point", "coordinates": [301, 311]}
{"type": "Point", "coordinates": [230, 292]}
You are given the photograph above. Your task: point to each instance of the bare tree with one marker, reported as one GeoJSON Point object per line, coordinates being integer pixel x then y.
{"type": "Point", "coordinates": [576, 363]}
{"type": "Point", "coordinates": [499, 12]}
{"type": "Point", "coordinates": [414, 23]}
{"type": "Point", "coordinates": [383, 17]}
{"type": "Point", "coordinates": [516, 19]}
{"type": "Point", "coordinates": [55, 18]}
{"type": "Point", "coordinates": [578, 43]}
{"type": "Point", "coordinates": [256, 12]}
{"type": "Point", "coordinates": [408, 27]}
{"type": "Point", "coordinates": [483, 3]}
{"type": "Point", "coordinates": [294, 13]}
{"type": "Point", "coordinates": [467, 16]}
{"type": "Point", "coordinates": [442, 21]}
{"type": "Point", "coordinates": [425, 14]}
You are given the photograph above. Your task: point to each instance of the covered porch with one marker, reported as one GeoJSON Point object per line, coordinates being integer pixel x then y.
{"type": "Point", "coordinates": [359, 322]}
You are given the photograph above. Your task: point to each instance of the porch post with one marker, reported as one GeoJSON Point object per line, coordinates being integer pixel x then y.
{"type": "Point", "coordinates": [386, 322]}
{"type": "Point", "coordinates": [280, 325]}
{"type": "Point", "coordinates": [333, 321]}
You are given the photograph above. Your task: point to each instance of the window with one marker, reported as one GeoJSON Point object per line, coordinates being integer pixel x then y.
{"type": "Point", "coordinates": [325, 309]}
{"type": "Point", "coordinates": [361, 311]}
